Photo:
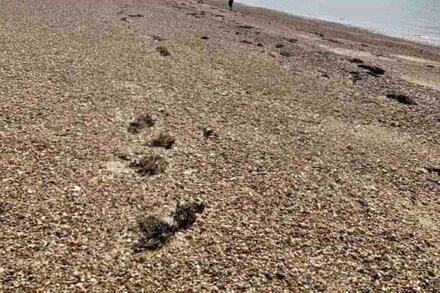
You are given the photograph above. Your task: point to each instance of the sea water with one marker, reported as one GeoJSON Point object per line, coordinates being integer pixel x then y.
{"type": "Point", "coordinates": [417, 20]}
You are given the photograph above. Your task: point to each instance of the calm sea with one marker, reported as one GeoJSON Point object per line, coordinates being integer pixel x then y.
{"type": "Point", "coordinates": [417, 20]}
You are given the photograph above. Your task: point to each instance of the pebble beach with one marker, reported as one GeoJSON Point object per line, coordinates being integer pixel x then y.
{"type": "Point", "coordinates": [171, 146]}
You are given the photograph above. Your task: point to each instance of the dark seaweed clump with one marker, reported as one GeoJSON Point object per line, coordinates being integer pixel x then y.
{"type": "Point", "coordinates": [156, 232]}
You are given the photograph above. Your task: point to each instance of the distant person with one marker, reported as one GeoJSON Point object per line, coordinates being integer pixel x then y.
{"type": "Point", "coordinates": [231, 2]}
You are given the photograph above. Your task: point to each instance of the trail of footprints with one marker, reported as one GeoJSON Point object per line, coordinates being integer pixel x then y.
{"type": "Point", "coordinates": [155, 232]}
{"type": "Point", "coordinates": [153, 165]}
{"type": "Point", "coordinates": [150, 165]}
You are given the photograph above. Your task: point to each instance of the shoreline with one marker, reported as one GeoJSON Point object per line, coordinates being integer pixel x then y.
{"type": "Point", "coordinates": [333, 24]}
{"type": "Point", "coordinates": [167, 146]}
{"type": "Point", "coordinates": [350, 32]}
{"type": "Point", "coordinates": [384, 33]}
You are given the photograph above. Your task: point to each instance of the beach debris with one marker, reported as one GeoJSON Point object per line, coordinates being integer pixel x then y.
{"type": "Point", "coordinates": [163, 141]}
{"type": "Point", "coordinates": [141, 122]}
{"type": "Point", "coordinates": [149, 165]}
{"type": "Point", "coordinates": [260, 45]}
{"type": "Point", "coordinates": [204, 38]}
{"type": "Point", "coordinates": [76, 190]}
{"type": "Point", "coordinates": [163, 51]}
{"type": "Point", "coordinates": [135, 15]}
{"type": "Point", "coordinates": [430, 66]}
{"type": "Point", "coordinates": [279, 45]}
{"type": "Point", "coordinates": [156, 232]}
{"type": "Point", "coordinates": [246, 42]}
{"type": "Point", "coordinates": [280, 273]}
{"type": "Point", "coordinates": [208, 132]}
{"type": "Point", "coordinates": [372, 70]}
{"type": "Point", "coordinates": [125, 19]}
{"type": "Point", "coordinates": [403, 99]}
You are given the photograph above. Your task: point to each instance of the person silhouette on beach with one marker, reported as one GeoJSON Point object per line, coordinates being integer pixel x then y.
{"type": "Point", "coordinates": [231, 2]}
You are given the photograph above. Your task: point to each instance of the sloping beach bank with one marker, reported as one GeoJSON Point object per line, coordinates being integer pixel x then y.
{"type": "Point", "coordinates": [313, 147]}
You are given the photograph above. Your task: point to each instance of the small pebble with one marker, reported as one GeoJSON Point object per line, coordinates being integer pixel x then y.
{"type": "Point", "coordinates": [208, 132]}
{"type": "Point", "coordinates": [280, 274]}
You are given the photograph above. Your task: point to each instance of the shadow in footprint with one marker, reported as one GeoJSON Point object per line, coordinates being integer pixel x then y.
{"type": "Point", "coordinates": [357, 61]}
{"type": "Point", "coordinates": [163, 51]}
{"type": "Point", "coordinates": [332, 41]}
{"type": "Point", "coordinates": [355, 76]}
{"type": "Point", "coordinates": [185, 215]}
{"type": "Point", "coordinates": [149, 166]}
{"type": "Point", "coordinates": [434, 170]}
{"type": "Point", "coordinates": [291, 40]}
{"type": "Point", "coordinates": [163, 141]}
{"type": "Point", "coordinates": [158, 38]}
{"type": "Point", "coordinates": [218, 15]}
{"type": "Point", "coordinates": [286, 52]}
{"type": "Point", "coordinates": [197, 15]}
{"type": "Point", "coordinates": [372, 70]}
{"type": "Point", "coordinates": [141, 122]}
{"type": "Point", "coordinates": [403, 99]}
{"type": "Point", "coordinates": [157, 232]}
